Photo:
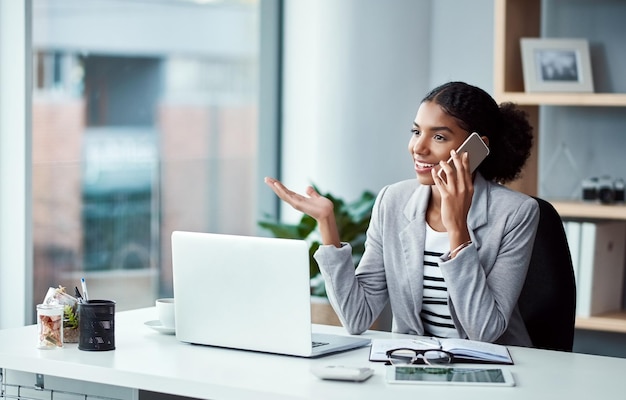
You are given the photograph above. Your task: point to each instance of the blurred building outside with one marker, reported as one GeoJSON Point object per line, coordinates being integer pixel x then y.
{"type": "Point", "coordinates": [144, 121]}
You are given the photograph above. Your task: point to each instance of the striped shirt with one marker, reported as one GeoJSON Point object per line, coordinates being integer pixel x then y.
{"type": "Point", "coordinates": [435, 312]}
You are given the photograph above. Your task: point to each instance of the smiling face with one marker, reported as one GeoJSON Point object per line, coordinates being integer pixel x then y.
{"type": "Point", "coordinates": [434, 134]}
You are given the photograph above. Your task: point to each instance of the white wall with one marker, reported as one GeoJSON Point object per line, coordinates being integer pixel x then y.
{"type": "Point", "coordinates": [462, 42]}
{"type": "Point", "coordinates": [354, 74]}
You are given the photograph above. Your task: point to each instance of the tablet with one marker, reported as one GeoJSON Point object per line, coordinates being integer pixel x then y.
{"type": "Point", "coordinates": [429, 375]}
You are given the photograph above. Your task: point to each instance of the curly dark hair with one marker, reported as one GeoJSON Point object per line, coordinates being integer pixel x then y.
{"type": "Point", "coordinates": [507, 127]}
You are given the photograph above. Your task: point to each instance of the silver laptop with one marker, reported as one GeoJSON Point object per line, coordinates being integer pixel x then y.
{"type": "Point", "coordinates": [249, 293]}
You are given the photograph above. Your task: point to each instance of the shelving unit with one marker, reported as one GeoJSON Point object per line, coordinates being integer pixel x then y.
{"type": "Point", "coordinates": [515, 19]}
{"type": "Point", "coordinates": [566, 99]}
{"type": "Point", "coordinates": [582, 210]}
{"type": "Point", "coordinates": [610, 322]}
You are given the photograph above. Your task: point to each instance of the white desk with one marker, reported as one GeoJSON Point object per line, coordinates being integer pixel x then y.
{"type": "Point", "coordinates": [147, 360]}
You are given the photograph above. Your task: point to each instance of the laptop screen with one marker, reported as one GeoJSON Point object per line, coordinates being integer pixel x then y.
{"type": "Point", "coordinates": [242, 292]}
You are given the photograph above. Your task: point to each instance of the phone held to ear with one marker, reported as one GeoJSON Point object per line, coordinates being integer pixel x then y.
{"type": "Point", "coordinates": [477, 151]}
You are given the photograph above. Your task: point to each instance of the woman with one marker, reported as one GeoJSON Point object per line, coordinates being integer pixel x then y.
{"type": "Point", "coordinates": [450, 254]}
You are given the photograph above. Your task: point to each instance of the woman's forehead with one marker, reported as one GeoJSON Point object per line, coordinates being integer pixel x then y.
{"type": "Point", "coordinates": [430, 115]}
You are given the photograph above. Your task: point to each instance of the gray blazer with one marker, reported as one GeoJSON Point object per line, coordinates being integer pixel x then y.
{"type": "Point", "coordinates": [484, 280]}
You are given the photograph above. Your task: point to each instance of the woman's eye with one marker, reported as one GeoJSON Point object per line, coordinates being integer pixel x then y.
{"type": "Point", "coordinates": [415, 132]}
{"type": "Point", "coordinates": [439, 138]}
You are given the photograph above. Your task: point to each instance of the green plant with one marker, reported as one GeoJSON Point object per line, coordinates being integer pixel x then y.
{"type": "Point", "coordinates": [352, 222]}
{"type": "Point", "coordinates": [70, 319]}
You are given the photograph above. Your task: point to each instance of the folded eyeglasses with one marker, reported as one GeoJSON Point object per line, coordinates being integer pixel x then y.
{"type": "Point", "coordinates": [406, 356]}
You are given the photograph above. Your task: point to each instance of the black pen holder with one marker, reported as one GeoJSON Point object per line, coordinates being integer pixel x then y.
{"type": "Point", "coordinates": [96, 320]}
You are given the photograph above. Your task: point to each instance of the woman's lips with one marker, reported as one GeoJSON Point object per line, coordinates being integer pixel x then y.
{"type": "Point", "coordinates": [422, 167]}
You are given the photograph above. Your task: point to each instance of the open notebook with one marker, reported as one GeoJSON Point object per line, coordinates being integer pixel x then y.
{"type": "Point", "coordinates": [249, 293]}
{"type": "Point", "coordinates": [464, 350]}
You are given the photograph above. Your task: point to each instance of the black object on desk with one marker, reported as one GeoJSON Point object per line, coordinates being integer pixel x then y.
{"type": "Point", "coordinates": [96, 320]}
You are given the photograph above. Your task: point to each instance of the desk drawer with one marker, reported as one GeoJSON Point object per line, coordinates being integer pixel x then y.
{"type": "Point", "coordinates": [29, 386]}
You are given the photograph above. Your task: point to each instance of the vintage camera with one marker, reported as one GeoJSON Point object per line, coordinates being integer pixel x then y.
{"type": "Point", "coordinates": [590, 189]}
{"type": "Point", "coordinates": [603, 189]}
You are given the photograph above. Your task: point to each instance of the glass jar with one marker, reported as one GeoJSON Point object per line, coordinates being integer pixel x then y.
{"type": "Point", "coordinates": [49, 326]}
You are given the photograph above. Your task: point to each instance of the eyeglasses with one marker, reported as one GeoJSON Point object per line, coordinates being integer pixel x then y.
{"type": "Point", "coordinates": [405, 356]}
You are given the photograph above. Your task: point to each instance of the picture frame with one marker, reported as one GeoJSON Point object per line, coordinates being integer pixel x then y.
{"type": "Point", "coordinates": [556, 65]}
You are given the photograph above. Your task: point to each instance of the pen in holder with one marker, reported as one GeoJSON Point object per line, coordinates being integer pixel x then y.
{"type": "Point", "coordinates": [96, 320]}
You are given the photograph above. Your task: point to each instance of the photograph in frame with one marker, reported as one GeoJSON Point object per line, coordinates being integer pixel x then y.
{"type": "Point", "coordinates": [556, 65]}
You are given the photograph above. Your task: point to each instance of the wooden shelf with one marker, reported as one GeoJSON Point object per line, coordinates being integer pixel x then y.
{"type": "Point", "coordinates": [610, 322]}
{"type": "Point", "coordinates": [582, 210]}
{"type": "Point", "coordinates": [514, 19]}
{"type": "Point", "coordinates": [565, 99]}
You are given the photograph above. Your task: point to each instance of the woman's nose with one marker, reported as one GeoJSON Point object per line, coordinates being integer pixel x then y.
{"type": "Point", "coordinates": [417, 146]}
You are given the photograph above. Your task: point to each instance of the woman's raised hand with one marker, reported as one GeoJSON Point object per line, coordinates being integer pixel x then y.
{"type": "Point", "coordinates": [317, 206]}
{"type": "Point", "coordinates": [313, 204]}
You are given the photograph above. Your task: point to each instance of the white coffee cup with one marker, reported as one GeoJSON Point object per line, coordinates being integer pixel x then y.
{"type": "Point", "coordinates": [165, 312]}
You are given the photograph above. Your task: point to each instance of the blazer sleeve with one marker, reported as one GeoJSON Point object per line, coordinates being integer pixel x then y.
{"type": "Point", "coordinates": [358, 297]}
{"type": "Point", "coordinates": [483, 297]}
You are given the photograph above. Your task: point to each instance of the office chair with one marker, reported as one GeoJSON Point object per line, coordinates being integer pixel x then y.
{"type": "Point", "coordinates": [548, 299]}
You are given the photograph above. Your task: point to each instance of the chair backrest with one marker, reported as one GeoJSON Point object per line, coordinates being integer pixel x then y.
{"type": "Point", "coordinates": [548, 299]}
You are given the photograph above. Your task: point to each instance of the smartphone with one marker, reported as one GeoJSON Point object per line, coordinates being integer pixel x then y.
{"type": "Point", "coordinates": [476, 149]}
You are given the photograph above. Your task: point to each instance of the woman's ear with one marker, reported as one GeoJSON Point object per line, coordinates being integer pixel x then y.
{"type": "Point", "coordinates": [485, 139]}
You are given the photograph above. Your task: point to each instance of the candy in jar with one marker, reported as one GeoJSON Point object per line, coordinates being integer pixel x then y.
{"type": "Point", "coordinates": [49, 326]}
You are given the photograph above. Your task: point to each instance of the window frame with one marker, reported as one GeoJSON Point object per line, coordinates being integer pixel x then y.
{"type": "Point", "coordinates": [15, 183]}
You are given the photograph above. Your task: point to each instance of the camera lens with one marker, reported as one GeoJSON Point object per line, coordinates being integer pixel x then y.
{"type": "Point", "coordinates": [606, 193]}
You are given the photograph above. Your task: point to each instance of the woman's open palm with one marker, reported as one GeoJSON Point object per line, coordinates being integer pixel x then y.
{"type": "Point", "coordinates": [313, 204]}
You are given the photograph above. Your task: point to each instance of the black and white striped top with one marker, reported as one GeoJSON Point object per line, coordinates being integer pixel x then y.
{"type": "Point", "coordinates": [435, 312]}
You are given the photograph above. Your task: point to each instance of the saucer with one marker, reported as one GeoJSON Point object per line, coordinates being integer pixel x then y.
{"type": "Point", "coordinates": [156, 325]}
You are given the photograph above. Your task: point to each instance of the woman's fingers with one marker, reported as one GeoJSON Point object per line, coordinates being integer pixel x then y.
{"type": "Point", "coordinates": [458, 172]}
{"type": "Point", "coordinates": [280, 190]}
{"type": "Point", "coordinates": [290, 197]}
{"type": "Point", "coordinates": [313, 203]}
{"type": "Point", "coordinates": [311, 192]}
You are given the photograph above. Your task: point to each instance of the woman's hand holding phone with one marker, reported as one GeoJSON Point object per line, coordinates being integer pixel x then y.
{"type": "Point", "coordinates": [476, 150]}
{"type": "Point", "coordinates": [455, 184]}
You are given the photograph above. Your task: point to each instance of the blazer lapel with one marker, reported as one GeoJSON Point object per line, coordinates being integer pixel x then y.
{"type": "Point", "coordinates": [412, 238]}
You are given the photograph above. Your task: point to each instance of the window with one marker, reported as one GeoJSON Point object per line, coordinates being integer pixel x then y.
{"type": "Point", "coordinates": [144, 121]}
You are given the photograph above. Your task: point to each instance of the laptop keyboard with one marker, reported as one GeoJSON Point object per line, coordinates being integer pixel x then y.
{"type": "Point", "coordinates": [318, 344]}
